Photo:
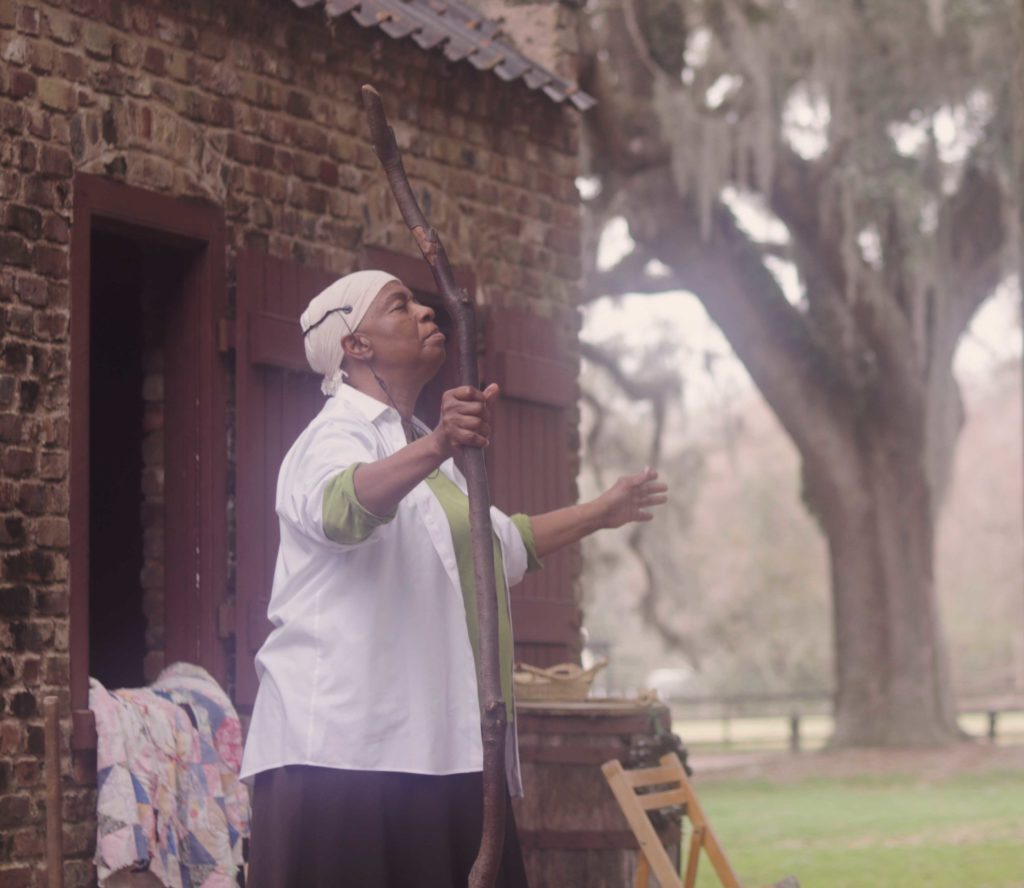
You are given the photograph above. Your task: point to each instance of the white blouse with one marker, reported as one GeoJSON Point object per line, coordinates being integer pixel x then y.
{"type": "Point", "coordinates": [369, 666]}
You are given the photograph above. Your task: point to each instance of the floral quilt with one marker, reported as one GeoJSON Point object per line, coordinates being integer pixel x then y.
{"type": "Point", "coordinates": [169, 799]}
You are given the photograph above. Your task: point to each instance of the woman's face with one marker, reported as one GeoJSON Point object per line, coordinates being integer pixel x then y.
{"type": "Point", "coordinates": [402, 332]}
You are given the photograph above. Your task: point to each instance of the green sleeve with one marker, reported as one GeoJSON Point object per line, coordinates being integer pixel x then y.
{"type": "Point", "coordinates": [346, 521]}
{"type": "Point", "coordinates": [525, 528]}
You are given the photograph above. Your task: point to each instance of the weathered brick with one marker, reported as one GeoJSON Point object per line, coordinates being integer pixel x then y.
{"type": "Point", "coordinates": [15, 50]}
{"type": "Point", "coordinates": [55, 670]}
{"type": "Point", "coordinates": [22, 84]}
{"type": "Point", "coordinates": [56, 94]}
{"type": "Point", "coordinates": [35, 739]}
{"type": "Point", "coordinates": [28, 395]}
{"type": "Point", "coordinates": [15, 601]}
{"type": "Point", "coordinates": [56, 228]}
{"type": "Point", "coordinates": [16, 876]}
{"type": "Point", "coordinates": [25, 220]}
{"type": "Point", "coordinates": [29, 842]}
{"type": "Point", "coordinates": [12, 117]}
{"type": "Point", "coordinates": [28, 773]}
{"type": "Point", "coordinates": [98, 41]}
{"type": "Point", "coordinates": [39, 123]}
{"type": "Point", "coordinates": [23, 705]}
{"type": "Point", "coordinates": [53, 466]}
{"type": "Point", "coordinates": [30, 668]}
{"type": "Point", "coordinates": [63, 28]}
{"type": "Point", "coordinates": [154, 60]}
{"type": "Point", "coordinates": [212, 43]}
{"type": "Point", "coordinates": [298, 104]}
{"type": "Point", "coordinates": [19, 321]}
{"type": "Point", "coordinates": [39, 191]}
{"type": "Point", "coordinates": [79, 873]}
{"type": "Point", "coordinates": [55, 161]}
{"type": "Point", "coordinates": [71, 66]}
{"type": "Point", "coordinates": [28, 20]}
{"type": "Point", "coordinates": [34, 565]}
{"type": "Point", "coordinates": [17, 463]}
{"type": "Point", "coordinates": [12, 737]}
{"type": "Point", "coordinates": [32, 498]}
{"type": "Point", "coordinates": [14, 250]}
{"type": "Point", "coordinates": [14, 811]}
{"type": "Point", "coordinates": [51, 260]}
{"type": "Point", "coordinates": [42, 57]}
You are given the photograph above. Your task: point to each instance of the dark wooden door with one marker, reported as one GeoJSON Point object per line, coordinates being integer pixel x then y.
{"type": "Point", "coordinates": [276, 397]}
{"type": "Point", "coordinates": [531, 470]}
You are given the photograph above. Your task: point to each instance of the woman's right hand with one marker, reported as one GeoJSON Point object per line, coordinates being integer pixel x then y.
{"type": "Point", "coordinates": [465, 418]}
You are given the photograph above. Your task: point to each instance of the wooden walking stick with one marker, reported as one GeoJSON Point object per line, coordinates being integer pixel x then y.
{"type": "Point", "coordinates": [460, 307]}
{"type": "Point", "coordinates": [54, 817]}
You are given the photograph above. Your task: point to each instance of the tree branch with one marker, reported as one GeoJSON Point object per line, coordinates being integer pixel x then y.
{"type": "Point", "coordinates": [793, 369]}
{"type": "Point", "coordinates": [654, 389]}
{"type": "Point", "coordinates": [629, 275]}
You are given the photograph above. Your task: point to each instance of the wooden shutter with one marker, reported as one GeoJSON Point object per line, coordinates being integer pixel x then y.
{"type": "Point", "coordinates": [276, 397]}
{"type": "Point", "coordinates": [530, 470]}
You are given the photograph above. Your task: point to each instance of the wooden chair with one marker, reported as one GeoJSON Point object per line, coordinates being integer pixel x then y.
{"type": "Point", "coordinates": [668, 787]}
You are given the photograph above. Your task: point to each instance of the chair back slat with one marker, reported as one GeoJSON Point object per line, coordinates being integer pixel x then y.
{"type": "Point", "coordinates": [669, 798]}
{"type": "Point", "coordinates": [653, 776]}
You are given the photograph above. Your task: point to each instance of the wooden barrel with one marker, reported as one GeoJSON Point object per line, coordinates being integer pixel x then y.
{"type": "Point", "coordinates": [572, 831]}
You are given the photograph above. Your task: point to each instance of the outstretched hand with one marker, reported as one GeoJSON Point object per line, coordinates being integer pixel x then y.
{"type": "Point", "coordinates": [629, 499]}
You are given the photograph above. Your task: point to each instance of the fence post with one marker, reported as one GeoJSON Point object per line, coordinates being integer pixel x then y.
{"type": "Point", "coordinates": [794, 732]}
{"type": "Point", "coordinates": [993, 725]}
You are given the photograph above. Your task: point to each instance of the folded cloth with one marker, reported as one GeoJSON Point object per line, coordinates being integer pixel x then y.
{"type": "Point", "coordinates": [220, 744]}
{"type": "Point", "coordinates": [169, 800]}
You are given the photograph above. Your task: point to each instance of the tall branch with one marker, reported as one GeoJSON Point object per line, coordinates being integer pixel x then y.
{"type": "Point", "coordinates": [460, 306]}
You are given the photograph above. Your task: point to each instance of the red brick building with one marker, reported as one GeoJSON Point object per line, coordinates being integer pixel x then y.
{"type": "Point", "coordinates": [177, 179]}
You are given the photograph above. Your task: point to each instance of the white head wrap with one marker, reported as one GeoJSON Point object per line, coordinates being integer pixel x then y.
{"type": "Point", "coordinates": [334, 314]}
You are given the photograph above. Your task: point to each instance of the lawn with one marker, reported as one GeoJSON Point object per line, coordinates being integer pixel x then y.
{"type": "Point", "coordinates": [961, 830]}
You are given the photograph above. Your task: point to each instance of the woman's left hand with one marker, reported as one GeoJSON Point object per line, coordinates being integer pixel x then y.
{"type": "Point", "coordinates": [629, 498]}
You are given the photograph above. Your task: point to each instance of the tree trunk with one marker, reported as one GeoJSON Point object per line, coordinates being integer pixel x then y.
{"type": "Point", "coordinates": [891, 669]}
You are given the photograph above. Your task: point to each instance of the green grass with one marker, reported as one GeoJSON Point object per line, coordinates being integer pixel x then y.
{"type": "Point", "coordinates": [878, 832]}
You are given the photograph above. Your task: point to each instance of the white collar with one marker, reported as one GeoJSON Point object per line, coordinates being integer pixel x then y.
{"type": "Point", "coordinates": [370, 408]}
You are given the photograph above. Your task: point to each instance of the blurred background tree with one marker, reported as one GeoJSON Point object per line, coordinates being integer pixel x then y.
{"type": "Point", "coordinates": [866, 145]}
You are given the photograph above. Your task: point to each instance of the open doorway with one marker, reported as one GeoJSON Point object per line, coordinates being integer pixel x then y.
{"type": "Point", "coordinates": [148, 439]}
{"type": "Point", "coordinates": [137, 292]}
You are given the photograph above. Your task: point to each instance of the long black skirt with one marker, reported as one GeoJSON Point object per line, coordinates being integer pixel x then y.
{"type": "Point", "coordinates": [327, 828]}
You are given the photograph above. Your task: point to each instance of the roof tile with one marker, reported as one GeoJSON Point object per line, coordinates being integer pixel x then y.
{"type": "Point", "coordinates": [460, 32]}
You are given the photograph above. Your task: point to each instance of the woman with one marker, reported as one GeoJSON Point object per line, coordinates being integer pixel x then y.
{"type": "Point", "coordinates": [364, 746]}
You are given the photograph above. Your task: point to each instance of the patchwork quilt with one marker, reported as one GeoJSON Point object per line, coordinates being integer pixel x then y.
{"type": "Point", "coordinates": [169, 799]}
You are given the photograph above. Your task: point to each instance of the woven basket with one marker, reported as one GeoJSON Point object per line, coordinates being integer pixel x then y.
{"type": "Point", "coordinates": [564, 682]}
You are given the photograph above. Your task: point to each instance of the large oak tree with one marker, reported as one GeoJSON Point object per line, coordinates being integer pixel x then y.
{"type": "Point", "coordinates": [878, 134]}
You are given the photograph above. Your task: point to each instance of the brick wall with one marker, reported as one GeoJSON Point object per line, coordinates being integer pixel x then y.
{"type": "Point", "coordinates": [251, 106]}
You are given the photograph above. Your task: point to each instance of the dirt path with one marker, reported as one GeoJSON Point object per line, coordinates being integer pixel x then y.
{"type": "Point", "coordinates": [923, 764]}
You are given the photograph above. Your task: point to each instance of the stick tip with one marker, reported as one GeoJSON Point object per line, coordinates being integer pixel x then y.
{"type": "Point", "coordinates": [370, 93]}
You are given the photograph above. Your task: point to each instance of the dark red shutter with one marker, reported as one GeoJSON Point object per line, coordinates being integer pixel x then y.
{"type": "Point", "coordinates": [276, 397]}
{"type": "Point", "coordinates": [530, 470]}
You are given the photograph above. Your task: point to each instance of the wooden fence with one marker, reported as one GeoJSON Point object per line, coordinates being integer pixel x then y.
{"type": "Point", "coordinates": [767, 721]}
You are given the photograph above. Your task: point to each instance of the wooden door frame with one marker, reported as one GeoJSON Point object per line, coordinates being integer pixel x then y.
{"type": "Point", "coordinates": [200, 229]}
